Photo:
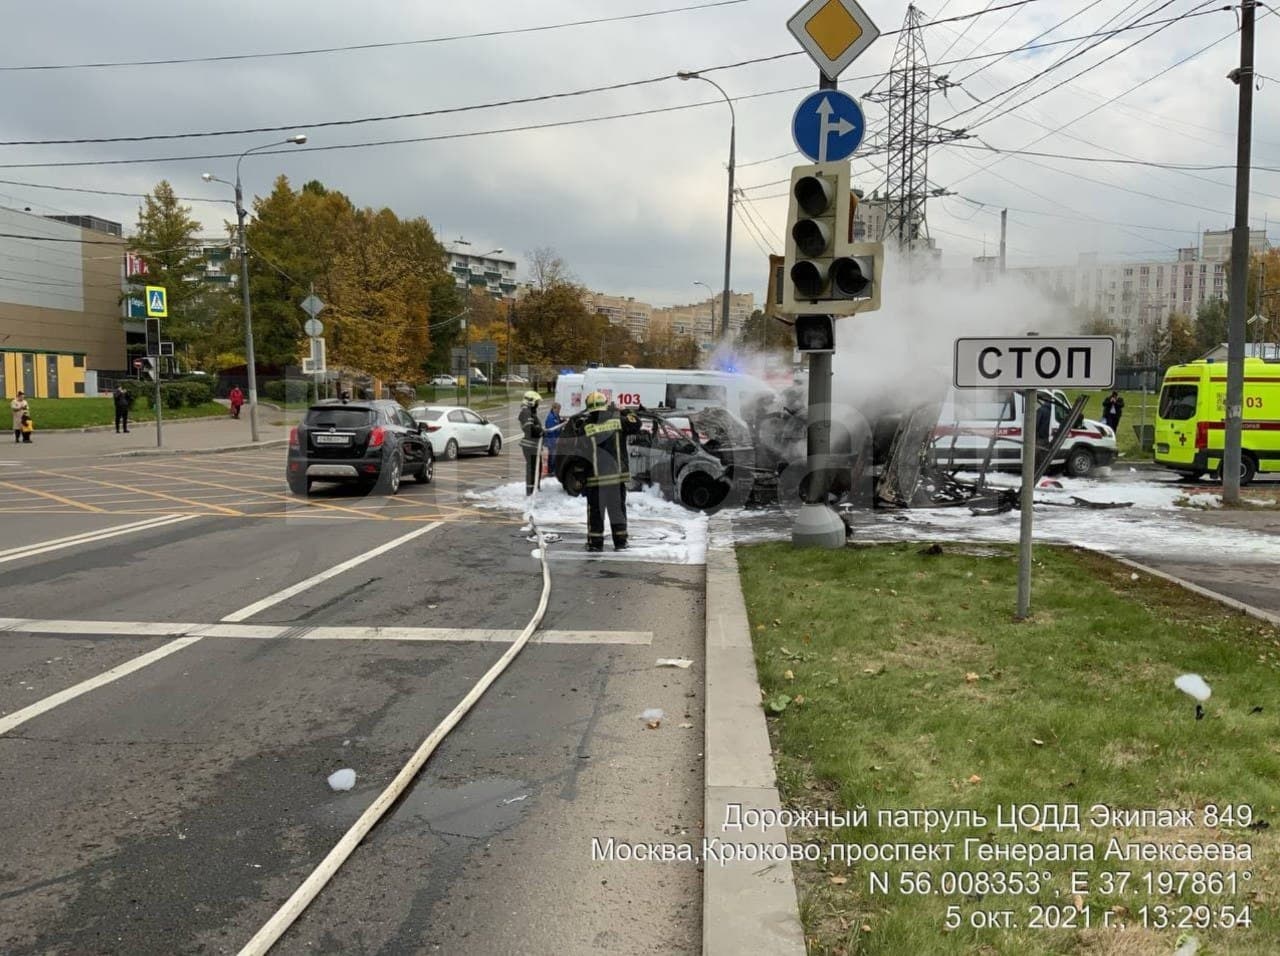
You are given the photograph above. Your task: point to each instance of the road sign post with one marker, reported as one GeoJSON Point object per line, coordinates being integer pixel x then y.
{"type": "Point", "coordinates": [313, 306]}
{"type": "Point", "coordinates": [1028, 364]}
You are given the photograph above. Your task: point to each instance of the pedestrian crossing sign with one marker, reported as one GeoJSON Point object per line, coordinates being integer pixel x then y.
{"type": "Point", "coordinates": [157, 302]}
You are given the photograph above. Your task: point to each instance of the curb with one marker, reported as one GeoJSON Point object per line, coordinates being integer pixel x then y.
{"type": "Point", "coordinates": [151, 452]}
{"type": "Point", "coordinates": [134, 422]}
{"type": "Point", "coordinates": [748, 905]}
{"type": "Point", "coordinates": [1249, 609]}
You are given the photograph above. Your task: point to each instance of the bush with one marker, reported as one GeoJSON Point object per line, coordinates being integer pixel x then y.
{"type": "Point", "coordinates": [185, 393]}
{"type": "Point", "coordinates": [293, 390]}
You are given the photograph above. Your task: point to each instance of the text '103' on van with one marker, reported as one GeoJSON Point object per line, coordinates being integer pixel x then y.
{"type": "Point", "coordinates": [1191, 419]}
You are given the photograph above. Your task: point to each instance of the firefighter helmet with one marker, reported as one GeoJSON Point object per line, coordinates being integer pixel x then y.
{"type": "Point", "coordinates": [531, 397]}
{"type": "Point", "coordinates": [596, 401]}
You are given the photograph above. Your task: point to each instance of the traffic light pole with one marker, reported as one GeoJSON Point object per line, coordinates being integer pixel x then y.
{"type": "Point", "coordinates": [817, 525]}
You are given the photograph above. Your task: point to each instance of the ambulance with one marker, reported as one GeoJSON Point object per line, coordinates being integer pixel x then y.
{"type": "Point", "coordinates": [1191, 419]}
{"type": "Point", "coordinates": [661, 389]}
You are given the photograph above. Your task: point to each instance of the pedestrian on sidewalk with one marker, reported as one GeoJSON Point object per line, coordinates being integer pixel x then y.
{"type": "Point", "coordinates": [19, 407]}
{"type": "Point", "coordinates": [607, 430]}
{"type": "Point", "coordinates": [122, 400]}
{"type": "Point", "coordinates": [28, 426]}
{"type": "Point", "coordinates": [237, 400]}
{"type": "Point", "coordinates": [1112, 407]}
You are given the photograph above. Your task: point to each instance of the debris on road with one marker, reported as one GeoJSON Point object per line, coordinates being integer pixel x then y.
{"type": "Point", "coordinates": [680, 662]}
{"type": "Point", "coordinates": [523, 796]}
{"type": "Point", "coordinates": [653, 717]}
{"type": "Point", "coordinates": [343, 779]}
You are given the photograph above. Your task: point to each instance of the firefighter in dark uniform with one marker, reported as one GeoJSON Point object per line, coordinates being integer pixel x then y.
{"type": "Point", "coordinates": [530, 433]}
{"type": "Point", "coordinates": [606, 431]}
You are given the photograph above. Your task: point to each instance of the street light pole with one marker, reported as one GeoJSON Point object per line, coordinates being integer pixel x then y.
{"type": "Point", "coordinates": [711, 304]}
{"type": "Point", "coordinates": [241, 213]}
{"type": "Point", "coordinates": [728, 227]}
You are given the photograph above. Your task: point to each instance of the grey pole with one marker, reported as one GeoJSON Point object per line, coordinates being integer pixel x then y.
{"type": "Point", "coordinates": [1004, 223]}
{"type": "Point", "coordinates": [250, 366]}
{"type": "Point", "coordinates": [1243, 77]}
{"type": "Point", "coordinates": [1025, 503]}
{"type": "Point", "coordinates": [728, 228]}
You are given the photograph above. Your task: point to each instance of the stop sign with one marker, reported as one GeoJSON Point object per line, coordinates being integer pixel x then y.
{"type": "Point", "coordinates": [137, 363]}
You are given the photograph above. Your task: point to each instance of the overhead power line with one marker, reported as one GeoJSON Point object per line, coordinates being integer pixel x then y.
{"type": "Point", "coordinates": [173, 61]}
{"type": "Point", "coordinates": [1154, 164]}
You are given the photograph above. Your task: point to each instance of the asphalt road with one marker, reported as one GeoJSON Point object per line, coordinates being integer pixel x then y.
{"type": "Point", "coordinates": [173, 808]}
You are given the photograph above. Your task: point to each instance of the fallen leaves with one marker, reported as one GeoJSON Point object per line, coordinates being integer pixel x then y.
{"type": "Point", "coordinates": [970, 678]}
{"type": "Point", "coordinates": [975, 779]}
{"type": "Point", "coordinates": [838, 880]}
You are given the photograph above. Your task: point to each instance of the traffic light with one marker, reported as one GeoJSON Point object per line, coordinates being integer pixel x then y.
{"type": "Point", "coordinates": [822, 266]}
{"type": "Point", "coordinates": [149, 367]}
{"type": "Point", "coordinates": [815, 333]}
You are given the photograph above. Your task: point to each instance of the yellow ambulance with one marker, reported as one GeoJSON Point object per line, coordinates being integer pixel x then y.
{"type": "Point", "coordinates": [1191, 418]}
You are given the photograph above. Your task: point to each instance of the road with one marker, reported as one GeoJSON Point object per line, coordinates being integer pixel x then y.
{"type": "Point", "coordinates": [188, 652]}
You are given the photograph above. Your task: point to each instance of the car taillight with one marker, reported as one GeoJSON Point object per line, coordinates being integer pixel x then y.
{"type": "Point", "coordinates": [377, 436]}
{"type": "Point", "coordinates": [293, 437]}
{"type": "Point", "coordinates": [433, 428]}
{"type": "Point", "coordinates": [1202, 435]}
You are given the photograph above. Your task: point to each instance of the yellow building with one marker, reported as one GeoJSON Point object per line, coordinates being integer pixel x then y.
{"type": "Point", "coordinates": [41, 374]}
{"type": "Point", "coordinates": [60, 301]}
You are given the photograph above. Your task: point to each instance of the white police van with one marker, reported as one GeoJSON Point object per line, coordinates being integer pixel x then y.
{"type": "Point", "coordinates": [662, 389]}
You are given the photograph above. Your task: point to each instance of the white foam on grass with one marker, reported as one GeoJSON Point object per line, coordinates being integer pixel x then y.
{"type": "Point", "coordinates": [658, 531]}
{"type": "Point", "coordinates": [1158, 525]}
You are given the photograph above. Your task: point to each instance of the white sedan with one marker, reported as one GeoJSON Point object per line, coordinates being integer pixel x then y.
{"type": "Point", "coordinates": [452, 430]}
{"type": "Point", "coordinates": [447, 381]}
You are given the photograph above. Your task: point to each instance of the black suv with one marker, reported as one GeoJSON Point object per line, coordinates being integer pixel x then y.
{"type": "Point", "coordinates": [373, 443]}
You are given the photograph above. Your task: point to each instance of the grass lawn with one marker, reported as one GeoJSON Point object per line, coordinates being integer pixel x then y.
{"type": "Point", "coordinates": [1126, 437]}
{"type": "Point", "coordinates": [51, 413]}
{"type": "Point", "coordinates": [902, 682]}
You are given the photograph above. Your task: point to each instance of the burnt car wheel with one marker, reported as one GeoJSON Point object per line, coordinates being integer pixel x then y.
{"type": "Point", "coordinates": [700, 491]}
{"type": "Point", "coordinates": [573, 476]}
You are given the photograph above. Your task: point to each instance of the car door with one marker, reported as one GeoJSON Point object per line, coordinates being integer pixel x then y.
{"type": "Point", "coordinates": [458, 428]}
{"type": "Point", "coordinates": [477, 430]}
{"type": "Point", "coordinates": [411, 440]}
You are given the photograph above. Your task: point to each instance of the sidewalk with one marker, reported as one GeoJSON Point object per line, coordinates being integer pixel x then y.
{"type": "Point", "coordinates": [192, 435]}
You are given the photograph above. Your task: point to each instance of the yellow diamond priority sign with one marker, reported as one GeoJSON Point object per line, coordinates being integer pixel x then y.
{"type": "Point", "coordinates": [833, 32]}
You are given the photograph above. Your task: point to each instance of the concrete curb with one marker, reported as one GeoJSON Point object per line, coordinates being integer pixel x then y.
{"type": "Point", "coordinates": [150, 452]}
{"type": "Point", "coordinates": [1230, 602]}
{"type": "Point", "coordinates": [135, 422]}
{"type": "Point", "coordinates": [749, 905]}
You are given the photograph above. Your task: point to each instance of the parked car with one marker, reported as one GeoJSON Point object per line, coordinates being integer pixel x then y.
{"type": "Point", "coordinates": [370, 443]}
{"type": "Point", "coordinates": [478, 377]}
{"type": "Point", "coordinates": [512, 379]}
{"type": "Point", "coordinates": [452, 430]}
{"type": "Point", "coordinates": [444, 381]}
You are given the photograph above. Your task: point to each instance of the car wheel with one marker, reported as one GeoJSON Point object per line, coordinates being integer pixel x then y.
{"type": "Point", "coordinates": [1079, 462]}
{"type": "Point", "coordinates": [451, 450]}
{"type": "Point", "coordinates": [389, 481]}
{"type": "Point", "coordinates": [299, 485]}
{"type": "Point", "coordinates": [427, 471]}
{"type": "Point", "coordinates": [573, 477]}
{"type": "Point", "coordinates": [495, 446]}
{"type": "Point", "coordinates": [1248, 469]}
{"type": "Point", "coordinates": [700, 491]}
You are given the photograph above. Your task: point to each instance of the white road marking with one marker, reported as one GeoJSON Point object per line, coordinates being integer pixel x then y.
{"type": "Point", "coordinates": [284, 595]}
{"type": "Point", "coordinates": [268, 632]}
{"type": "Point", "coordinates": [128, 667]}
{"type": "Point", "coordinates": [20, 717]}
{"type": "Point", "coordinates": [89, 537]}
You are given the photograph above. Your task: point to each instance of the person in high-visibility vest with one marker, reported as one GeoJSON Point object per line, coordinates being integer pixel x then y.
{"type": "Point", "coordinates": [530, 435]}
{"type": "Point", "coordinates": [606, 432]}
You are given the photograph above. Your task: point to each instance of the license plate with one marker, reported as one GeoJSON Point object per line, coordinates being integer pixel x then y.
{"type": "Point", "coordinates": [331, 439]}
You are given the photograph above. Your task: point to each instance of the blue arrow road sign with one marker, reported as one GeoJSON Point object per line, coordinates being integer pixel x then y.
{"type": "Point", "coordinates": [828, 126]}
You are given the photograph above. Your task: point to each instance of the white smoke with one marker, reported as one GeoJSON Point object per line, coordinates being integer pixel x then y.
{"type": "Point", "coordinates": [903, 353]}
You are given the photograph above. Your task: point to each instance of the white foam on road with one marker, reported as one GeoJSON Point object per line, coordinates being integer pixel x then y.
{"type": "Point", "coordinates": [658, 531]}
{"type": "Point", "coordinates": [1158, 525]}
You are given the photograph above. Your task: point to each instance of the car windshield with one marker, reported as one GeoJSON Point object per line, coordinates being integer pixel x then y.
{"type": "Point", "coordinates": [1178, 402]}
{"type": "Point", "coordinates": [426, 414]}
{"type": "Point", "coordinates": [339, 417]}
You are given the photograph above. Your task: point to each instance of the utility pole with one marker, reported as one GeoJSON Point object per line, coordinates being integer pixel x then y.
{"type": "Point", "coordinates": [1243, 77]}
{"type": "Point", "coordinates": [1004, 226]}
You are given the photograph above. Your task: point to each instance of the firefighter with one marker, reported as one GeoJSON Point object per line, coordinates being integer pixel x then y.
{"type": "Point", "coordinates": [606, 432]}
{"type": "Point", "coordinates": [530, 433]}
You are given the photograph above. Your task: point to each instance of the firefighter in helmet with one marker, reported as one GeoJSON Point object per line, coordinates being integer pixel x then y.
{"type": "Point", "coordinates": [606, 432]}
{"type": "Point", "coordinates": [530, 433]}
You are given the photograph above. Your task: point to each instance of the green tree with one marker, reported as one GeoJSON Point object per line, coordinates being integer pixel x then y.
{"type": "Point", "coordinates": [552, 324]}
{"type": "Point", "coordinates": [1182, 339]}
{"type": "Point", "coordinates": [1211, 325]}
{"type": "Point", "coordinates": [167, 241]}
{"type": "Point", "coordinates": [765, 334]}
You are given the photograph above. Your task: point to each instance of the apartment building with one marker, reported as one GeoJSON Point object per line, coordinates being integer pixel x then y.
{"type": "Point", "coordinates": [697, 320]}
{"type": "Point", "coordinates": [491, 272]}
{"type": "Point", "coordinates": [621, 310]}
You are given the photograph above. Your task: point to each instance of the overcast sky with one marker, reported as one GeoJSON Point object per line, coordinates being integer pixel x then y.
{"type": "Point", "coordinates": [635, 206]}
